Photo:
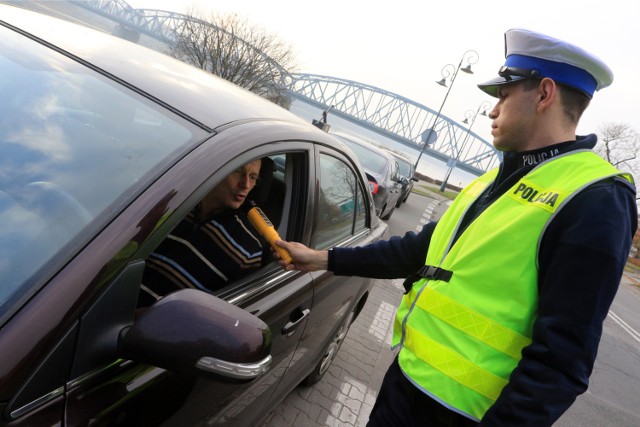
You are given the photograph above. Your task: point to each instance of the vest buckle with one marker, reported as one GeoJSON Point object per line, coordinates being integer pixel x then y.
{"type": "Point", "coordinates": [428, 272]}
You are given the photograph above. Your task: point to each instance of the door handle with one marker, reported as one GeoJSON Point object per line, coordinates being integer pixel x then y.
{"type": "Point", "coordinates": [300, 315]}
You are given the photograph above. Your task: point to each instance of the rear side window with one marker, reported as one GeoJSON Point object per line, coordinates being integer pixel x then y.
{"type": "Point", "coordinates": [405, 168]}
{"type": "Point", "coordinates": [342, 209]}
{"type": "Point", "coordinates": [394, 170]}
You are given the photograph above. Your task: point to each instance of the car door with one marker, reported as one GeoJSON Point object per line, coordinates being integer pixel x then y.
{"type": "Point", "coordinates": [281, 299]}
{"type": "Point", "coordinates": [341, 214]}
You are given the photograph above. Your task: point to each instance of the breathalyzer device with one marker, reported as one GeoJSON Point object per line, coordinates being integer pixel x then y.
{"type": "Point", "coordinates": [261, 223]}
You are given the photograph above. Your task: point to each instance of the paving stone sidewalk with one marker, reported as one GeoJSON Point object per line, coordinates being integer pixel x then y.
{"type": "Point", "coordinates": [346, 393]}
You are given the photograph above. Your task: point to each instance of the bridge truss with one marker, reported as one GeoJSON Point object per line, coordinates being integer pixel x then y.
{"type": "Point", "coordinates": [390, 115]}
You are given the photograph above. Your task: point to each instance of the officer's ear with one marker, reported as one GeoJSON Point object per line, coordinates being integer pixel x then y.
{"type": "Point", "coordinates": [547, 93]}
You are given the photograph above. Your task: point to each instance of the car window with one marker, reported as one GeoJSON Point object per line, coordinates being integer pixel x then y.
{"type": "Point", "coordinates": [405, 168]}
{"type": "Point", "coordinates": [213, 251]}
{"type": "Point", "coordinates": [371, 160]}
{"type": "Point", "coordinates": [341, 205]}
{"type": "Point", "coordinates": [394, 170]}
{"type": "Point", "coordinates": [73, 146]}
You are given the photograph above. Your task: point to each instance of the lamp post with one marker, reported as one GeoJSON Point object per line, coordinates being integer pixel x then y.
{"type": "Point", "coordinates": [469, 115]}
{"type": "Point", "coordinates": [448, 71]}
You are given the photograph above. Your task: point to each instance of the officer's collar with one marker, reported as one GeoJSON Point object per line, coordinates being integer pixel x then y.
{"type": "Point", "coordinates": [532, 158]}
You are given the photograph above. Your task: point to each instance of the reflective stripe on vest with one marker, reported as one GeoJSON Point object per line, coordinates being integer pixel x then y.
{"type": "Point", "coordinates": [461, 339]}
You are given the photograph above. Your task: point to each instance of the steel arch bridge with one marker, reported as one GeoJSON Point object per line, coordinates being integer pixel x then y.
{"type": "Point", "coordinates": [386, 113]}
{"type": "Point", "coordinates": [396, 117]}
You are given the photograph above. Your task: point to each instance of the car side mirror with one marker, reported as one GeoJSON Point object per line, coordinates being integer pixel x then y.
{"type": "Point", "coordinates": [413, 178]}
{"type": "Point", "coordinates": [195, 333]}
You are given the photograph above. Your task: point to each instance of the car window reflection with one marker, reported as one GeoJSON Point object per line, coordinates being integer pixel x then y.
{"type": "Point", "coordinates": [341, 203]}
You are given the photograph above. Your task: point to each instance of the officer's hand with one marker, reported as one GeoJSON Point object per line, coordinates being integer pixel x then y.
{"type": "Point", "coordinates": [304, 258]}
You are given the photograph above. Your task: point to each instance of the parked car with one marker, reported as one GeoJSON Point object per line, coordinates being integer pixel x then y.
{"type": "Point", "coordinates": [407, 176]}
{"type": "Point", "coordinates": [104, 147]}
{"type": "Point", "coordinates": [381, 169]}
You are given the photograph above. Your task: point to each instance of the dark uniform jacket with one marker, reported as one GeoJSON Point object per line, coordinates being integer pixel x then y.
{"type": "Point", "coordinates": [581, 260]}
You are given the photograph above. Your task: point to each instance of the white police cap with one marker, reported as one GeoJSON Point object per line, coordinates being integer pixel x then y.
{"type": "Point", "coordinates": [533, 55]}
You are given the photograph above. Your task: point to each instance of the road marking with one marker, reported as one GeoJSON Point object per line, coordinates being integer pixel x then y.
{"type": "Point", "coordinates": [382, 320]}
{"type": "Point", "coordinates": [426, 215]}
{"type": "Point", "coordinates": [624, 325]}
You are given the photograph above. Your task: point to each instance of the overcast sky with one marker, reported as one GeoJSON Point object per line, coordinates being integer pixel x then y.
{"type": "Point", "coordinates": [401, 46]}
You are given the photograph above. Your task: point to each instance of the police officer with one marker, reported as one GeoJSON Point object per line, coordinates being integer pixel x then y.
{"type": "Point", "coordinates": [507, 293]}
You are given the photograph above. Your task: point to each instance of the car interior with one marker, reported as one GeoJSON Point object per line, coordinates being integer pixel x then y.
{"type": "Point", "coordinates": [269, 195]}
{"type": "Point", "coordinates": [271, 188]}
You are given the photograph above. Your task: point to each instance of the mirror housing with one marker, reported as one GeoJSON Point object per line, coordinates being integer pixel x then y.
{"type": "Point", "coordinates": [195, 333]}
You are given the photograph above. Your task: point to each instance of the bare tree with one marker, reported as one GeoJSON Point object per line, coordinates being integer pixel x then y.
{"type": "Point", "coordinates": [618, 143]}
{"type": "Point", "coordinates": [229, 47]}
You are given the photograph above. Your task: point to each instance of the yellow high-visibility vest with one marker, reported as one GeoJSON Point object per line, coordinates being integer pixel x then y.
{"type": "Point", "coordinates": [461, 339]}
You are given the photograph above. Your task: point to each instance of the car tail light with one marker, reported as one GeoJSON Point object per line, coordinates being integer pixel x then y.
{"type": "Point", "coordinates": [373, 186]}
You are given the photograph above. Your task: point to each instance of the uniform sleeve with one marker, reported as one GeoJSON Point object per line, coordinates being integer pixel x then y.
{"type": "Point", "coordinates": [581, 261]}
{"type": "Point", "coordinates": [395, 258]}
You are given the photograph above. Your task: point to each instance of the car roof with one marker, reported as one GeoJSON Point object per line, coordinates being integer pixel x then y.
{"type": "Point", "coordinates": [188, 90]}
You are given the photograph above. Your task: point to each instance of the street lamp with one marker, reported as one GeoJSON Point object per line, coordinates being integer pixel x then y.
{"type": "Point", "coordinates": [449, 71]}
{"type": "Point", "coordinates": [469, 115]}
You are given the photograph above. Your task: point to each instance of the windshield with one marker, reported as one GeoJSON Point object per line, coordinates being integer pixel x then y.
{"type": "Point", "coordinates": [74, 146]}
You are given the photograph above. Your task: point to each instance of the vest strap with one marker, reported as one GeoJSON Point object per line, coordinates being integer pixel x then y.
{"type": "Point", "coordinates": [427, 272]}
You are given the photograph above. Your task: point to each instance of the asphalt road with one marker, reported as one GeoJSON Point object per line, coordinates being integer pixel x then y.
{"type": "Point", "coordinates": [613, 397]}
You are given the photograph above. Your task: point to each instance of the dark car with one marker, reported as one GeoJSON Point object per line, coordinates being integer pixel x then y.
{"type": "Point", "coordinates": [104, 147]}
{"type": "Point", "coordinates": [407, 176]}
{"type": "Point", "coordinates": [381, 169]}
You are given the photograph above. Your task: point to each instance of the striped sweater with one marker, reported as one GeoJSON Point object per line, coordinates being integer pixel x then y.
{"type": "Point", "coordinates": [205, 256]}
